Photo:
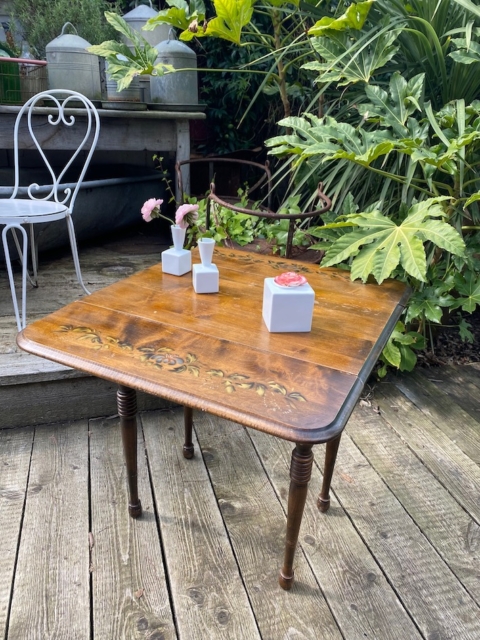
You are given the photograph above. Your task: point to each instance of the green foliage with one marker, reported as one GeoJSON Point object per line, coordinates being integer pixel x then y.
{"type": "Point", "coordinates": [42, 20]}
{"type": "Point", "coordinates": [225, 224]}
{"type": "Point", "coordinates": [378, 245]}
{"type": "Point", "coordinates": [400, 350]}
{"type": "Point", "coordinates": [123, 64]}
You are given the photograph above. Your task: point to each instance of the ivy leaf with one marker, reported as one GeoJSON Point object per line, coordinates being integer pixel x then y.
{"type": "Point", "coordinates": [464, 329]}
{"type": "Point", "coordinates": [468, 287]}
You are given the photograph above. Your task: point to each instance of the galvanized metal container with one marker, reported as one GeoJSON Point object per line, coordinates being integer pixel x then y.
{"type": "Point", "coordinates": [71, 66]}
{"type": "Point", "coordinates": [175, 88]}
{"type": "Point", "coordinates": [138, 17]}
{"type": "Point", "coordinates": [131, 94]}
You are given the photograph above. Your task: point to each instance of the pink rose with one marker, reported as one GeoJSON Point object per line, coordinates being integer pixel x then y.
{"type": "Point", "coordinates": [290, 279]}
{"type": "Point", "coordinates": [186, 215]}
{"type": "Point", "coordinates": [151, 209]}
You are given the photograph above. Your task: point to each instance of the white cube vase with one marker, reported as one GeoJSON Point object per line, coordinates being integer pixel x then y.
{"type": "Point", "coordinates": [287, 309]}
{"type": "Point", "coordinates": [205, 276]}
{"type": "Point", "coordinates": [177, 261]}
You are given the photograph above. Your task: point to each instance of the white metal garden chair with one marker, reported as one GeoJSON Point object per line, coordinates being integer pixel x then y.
{"type": "Point", "coordinates": [55, 202]}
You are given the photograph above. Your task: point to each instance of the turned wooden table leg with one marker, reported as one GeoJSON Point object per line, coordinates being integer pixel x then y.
{"type": "Point", "coordinates": [300, 472]}
{"type": "Point", "coordinates": [127, 410]}
{"type": "Point", "coordinates": [323, 502]}
{"type": "Point", "coordinates": [188, 420]}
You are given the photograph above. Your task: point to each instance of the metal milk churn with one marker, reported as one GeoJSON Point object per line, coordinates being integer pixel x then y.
{"type": "Point", "coordinates": [179, 88]}
{"type": "Point", "coordinates": [136, 19]}
{"type": "Point", "coordinates": [71, 66]}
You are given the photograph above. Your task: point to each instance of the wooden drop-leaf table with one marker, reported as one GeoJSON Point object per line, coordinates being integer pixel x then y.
{"type": "Point", "coordinates": [151, 332]}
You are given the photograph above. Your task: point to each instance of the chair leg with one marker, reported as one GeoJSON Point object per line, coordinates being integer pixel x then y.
{"type": "Point", "coordinates": [188, 445]}
{"type": "Point", "coordinates": [300, 472]}
{"type": "Point", "coordinates": [33, 281]}
{"type": "Point", "coordinates": [76, 261]}
{"type": "Point", "coordinates": [323, 502]}
{"type": "Point", "coordinates": [21, 319]}
{"type": "Point", "coordinates": [34, 256]}
{"type": "Point", "coordinates": [127, 410]}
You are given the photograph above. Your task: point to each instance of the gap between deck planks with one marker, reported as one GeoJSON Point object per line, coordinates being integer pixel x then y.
{"type": "Point", "coordinates": [396, 556]}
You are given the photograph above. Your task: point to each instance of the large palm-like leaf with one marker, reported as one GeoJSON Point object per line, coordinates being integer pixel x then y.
{"type": "Point", "coordinates": [378, 245]}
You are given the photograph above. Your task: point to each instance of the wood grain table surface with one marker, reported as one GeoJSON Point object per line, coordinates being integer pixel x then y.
{"type": "Point", "coordinates": [151, 332]}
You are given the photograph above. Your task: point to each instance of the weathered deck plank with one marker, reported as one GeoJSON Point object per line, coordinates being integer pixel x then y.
{"type": "Point", "coordinates": [15, 454]}
{"type": "Point", "coordinates": [130, 597]}
{"type": "Point", "coordinates": [448, 416]}
{"type": "Point", "coordinates": [403, 552]}
{"type": "Point", "coordinates": [256, 525]}
{"type": "Point", "coordinates": [361, 600]}
{"type": "Point", "coordinates": [207, 590]}
{"type": "Point", "coordinates": [51, 596]}
{"type": "Point", "coordinates": [453, 533]}
{"type": "Point", "coordinates": [445, 460]}
{"type": "Point", "coordinates": [462, 385]}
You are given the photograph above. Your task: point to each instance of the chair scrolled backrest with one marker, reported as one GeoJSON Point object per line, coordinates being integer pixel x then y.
{"type": "Point", "coordinates": [59, 100]}
{"type": "Point", "coordinates": [263, 176]}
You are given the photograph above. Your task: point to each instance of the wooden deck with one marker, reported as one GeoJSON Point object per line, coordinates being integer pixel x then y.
{"type": "Point", "coordinates": [397, 556]}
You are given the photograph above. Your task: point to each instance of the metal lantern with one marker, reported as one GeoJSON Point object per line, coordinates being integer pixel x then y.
{"type": "Point", "coordinates": [71, 66]}
{"type": "Point", "coordinates": [175, 88]}
{"type": "Point", "coordinates": [138, 17]}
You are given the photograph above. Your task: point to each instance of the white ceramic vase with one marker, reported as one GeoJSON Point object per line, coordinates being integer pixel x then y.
{"type": "Point", "coordinates": [206, 247]}
{"type": "Point", "coordinates": [178, 236]}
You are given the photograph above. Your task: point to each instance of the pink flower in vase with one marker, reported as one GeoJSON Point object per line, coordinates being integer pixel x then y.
{"type": "Point", "coordinates": [151, 209]}
{"type": "Point", "coordinates": [186, 215]}
{"type": "Point", "coordinates": [290, 279]}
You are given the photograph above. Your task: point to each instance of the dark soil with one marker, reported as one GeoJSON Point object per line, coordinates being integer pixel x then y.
{"type": "Point", "coordinates": [450, 349]}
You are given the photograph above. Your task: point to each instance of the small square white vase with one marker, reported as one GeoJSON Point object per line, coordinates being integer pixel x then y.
{"type": "Point", "coordinates": [176, 261]}
{"type": "Point", "coordinates": [287, 309]}
{"type": "Point", "coordinates": [205, 278]}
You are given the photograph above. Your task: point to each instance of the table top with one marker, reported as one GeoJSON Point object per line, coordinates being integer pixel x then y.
{"type": "Point", "coordinates": [213, 352]}
{"type": "Point", "coordinates": [115, 113]}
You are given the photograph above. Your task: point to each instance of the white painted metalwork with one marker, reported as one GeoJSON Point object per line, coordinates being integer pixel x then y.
{"type": "Point", "coordinates": [55, 204]}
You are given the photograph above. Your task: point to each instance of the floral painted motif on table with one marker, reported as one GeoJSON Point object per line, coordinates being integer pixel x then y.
{"type": "Point", "coordinates": [165, 358]}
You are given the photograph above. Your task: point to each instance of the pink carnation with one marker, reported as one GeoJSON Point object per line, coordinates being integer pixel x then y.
{"type": "Point", "coordinates": [151, 209]}
{"type": "Point", "coordinates": [290, 279]}
{"type": "Point", "coordinates": [186, 214]}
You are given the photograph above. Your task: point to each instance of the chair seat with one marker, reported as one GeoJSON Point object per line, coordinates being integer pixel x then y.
{"type": "Point", "coordinates": [31, 210]}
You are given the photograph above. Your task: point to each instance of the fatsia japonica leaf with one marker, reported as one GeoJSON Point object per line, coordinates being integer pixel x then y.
{"type": "Point", "coordinates": [181, 15]}
{"type": "Point", "coordinates": [379, 245]}
{"type": "Point", "coordinates": [345, 62]}
{"type": "Point", "coordinates": [392, 109]}
{"type": "Point", "coordinates": [353, 18]}
{"type": "Point", "coordinates": [232, 16]}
